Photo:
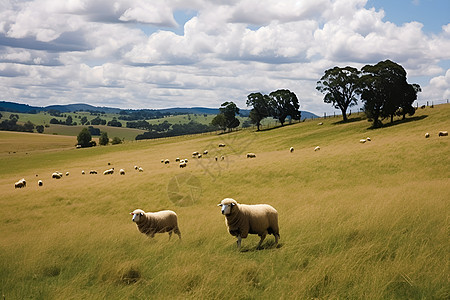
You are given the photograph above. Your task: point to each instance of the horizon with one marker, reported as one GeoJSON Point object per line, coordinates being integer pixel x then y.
{"type": "Point", "coordinates": [168, 54]}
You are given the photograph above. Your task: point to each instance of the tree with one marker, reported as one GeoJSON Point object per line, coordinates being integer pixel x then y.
{"type": "Point", "coordinates": [341, 87]}
{"type": "Point", "coordinates": [408, 97]}
{"type": "Point", "coordinates": [219, 121]}
{"type": "Point", "coordinates": [261, 108]}
{"type": "Point", "coordinates": [103, 140]}
{"type": "Point", "coordinates": [284, 103]}
{"type": "Point", "coordinates": [84, 138]}
{"type": "Point", "coordinates": [69, 120]}
{"type": "Point", "coordinates": [14, 116]}
{"type": "Point", "coordinates": [385, 90]}
{"type": "Point", "coordinates": [114, 123]}
{"type": "Point", "coordinates": [40, 128]}
{"type": "Point", "coordinates": [116, 140]}
{"type": "Point", "coordinates": [83, 120]}
{"type": "Point", "coordinates": [230, 110]}
{"type": "Point", "coordinates": [28, 126]}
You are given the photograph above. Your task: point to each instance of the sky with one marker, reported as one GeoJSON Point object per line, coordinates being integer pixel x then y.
{"type": "Point", "coordinates": [187, 53]}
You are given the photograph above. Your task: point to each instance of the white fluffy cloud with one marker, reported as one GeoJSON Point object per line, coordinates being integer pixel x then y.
{"type": "Point", "coordinates": [129, 54]}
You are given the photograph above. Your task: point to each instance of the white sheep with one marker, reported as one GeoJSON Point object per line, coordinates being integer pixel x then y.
{"type": "Point", "coordinates": [443, 133]}
{"type": "Point", "coordinates": [40, 183]}
{"type": "Point", "coordinates": [321, 123]}
{"type": "Point", "coordinates": [109, 171]}
{"type": "Point", "coordinates": [242, 219]}
{"type": "Point", "coordinates": [205, 152]}
{"type": "Point", "coordinates": [222, 157]}
{"type": "Point", "coordinates": [194, 154]}
{"type": "Point", "coordinates": [82, 172]}
{"type": "Point", "coordinates": [150, 223]}
{"type": "Point", "coordinates": [67, 173]}
{"type": "Point", "coordinates": [140, 169]}
{"type": "Point", "coordinates": [199, 155]}
{"type": "Point", "coordinates": [427, 135]}
{"type": "Point", "coordinates": [183, 164]}
{"type": "Point", "coordinates": [291, 149]}
{"type": "Point", "coordinates": [216, 158]}
{"type": "Point", "coordinates": [136, 167]}
{"type": "Point", "coordinates": [317, 148]}
{"type": "Point", "coordinates": [221, 145]}
{"type": "Point", "coordinates": [368, 139]}
{"type": "Point", "coordinates": [177, 159]}
{"type": "Point", "coordinates": [362, 141]}
{"type": "Point", "coordinates": [20, 184]}
{"type": "Point", "coordinates": [167, 161]}
{"type": "Point", "coordinates": [92, 172]}
{"type": "Point", "coordinates": [122, 172]}
{"type": "Point", "coordinates": [57, 175]}
{"type": "Point", "coordinates": [251, 155]}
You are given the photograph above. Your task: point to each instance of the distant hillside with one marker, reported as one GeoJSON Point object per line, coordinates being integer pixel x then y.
{"type": "Point", "coordinates": [25, 108]}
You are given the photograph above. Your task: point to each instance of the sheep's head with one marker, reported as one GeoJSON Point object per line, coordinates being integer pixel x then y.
{"type": "Point", "coordinates": [227, 205]}
{"type": "Point", "coordinates": [137, 214]}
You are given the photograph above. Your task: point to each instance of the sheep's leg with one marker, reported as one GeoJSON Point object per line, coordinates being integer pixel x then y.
{"type": "Point", "coordinates": [170, 235]}
{"type": "Point", "coordinates": [239, 241]}
{"type": "Point", "coordinates": [263, 236]}
{"type": "Point", "coordinates": [277, 237]}
{"type": "Point", "coordinates": [177, 231]}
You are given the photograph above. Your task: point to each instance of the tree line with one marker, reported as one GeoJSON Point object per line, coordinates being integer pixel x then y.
{"type": "Point", "coordinates": [383, 89]}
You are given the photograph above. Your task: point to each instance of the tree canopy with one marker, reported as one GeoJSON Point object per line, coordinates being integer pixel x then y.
{"type": "Point", "coordinates": [284, 103]}
{"type": "Point", "coordinates": [84, 138]}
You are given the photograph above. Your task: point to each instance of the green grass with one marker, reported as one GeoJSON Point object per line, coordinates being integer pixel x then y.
{"type": "Point", "coordinates": [357, 221]}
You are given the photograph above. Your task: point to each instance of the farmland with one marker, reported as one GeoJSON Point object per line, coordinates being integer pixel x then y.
{"type": "Point", "coordinates": [359, 221]}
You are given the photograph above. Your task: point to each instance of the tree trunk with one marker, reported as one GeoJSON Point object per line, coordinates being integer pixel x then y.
{"type": "Point", "coordinates": [344, 115]}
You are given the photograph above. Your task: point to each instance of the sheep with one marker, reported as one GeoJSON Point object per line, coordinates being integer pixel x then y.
{"type": "Point", "coordinates": [199, 155]}
{"type": "Point", "coordinates": [109, 171]}
{"type": "Point", "coordinates": [122, 172]}
{"type": "Point", "coordinates": [185, 160]}
{"type": "Point", "coordinates": [222, 157]}
{"type": "Point", "coordinates": [216, 158]}
{"type": "Point", "coordinates": [291, 149]}
{"type": "Point", "coordinates": [443, 133]}
{"type": "Point", "coordinates": [150, 223]}
{"type": "Point", "coordinates": [162, 161]}
{"type": "Point", "coordinates": [136, 167]}
{"type": "Point", "coordinates": [427, 135]}
{"type": "Point", "coordinates": [205, 152]}
{"type": "Point", "coordinates": [368, 139]}
{"type": "Point", "coordinates": [362, 141]}
{"type": "Point", "coordinates": [20, 184]}
{"type": "Point", "coordinates": [167, 161]}
{"type": "Point", "coordinates": [194, 154]}
{"type": "Point", "coordinates": [82, 172]}
{"type": "Point", "coordinates": [177, 159]}
{"type": "Point", "coordinates": [57, 175]}
{"type": "Point", "coordinates": [251, 155]}
{"type": "Point", "coordinates": [40, 183]}
{"type": "Point", "coordinates": [183, 164]}
{"type": "Point", "coordinates": [242, 219]}
{"type": "Point", "coordinates": [321, 123]}
{"type": "Point", "coordinates": [140, 169]}
{"type": "Point", "coordinates": [67, 173]}
{"type": "Point", "coordinates": [317, 148]}
{"type": "Point", "coordinates": [92, 172]}
{"type": "Point", "coordinates": [221, 145]}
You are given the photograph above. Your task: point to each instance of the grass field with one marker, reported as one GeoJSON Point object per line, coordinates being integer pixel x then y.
{"type": "Point", "coordinates": [357, 221]}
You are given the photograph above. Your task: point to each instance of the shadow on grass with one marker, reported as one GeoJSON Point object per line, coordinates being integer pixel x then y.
{"type": "Point", "coordinates": [269, 245]}
{"type": "Point", "coordinates": [350, 120]}
{"type": "Point", "coordinates": [397, 122]}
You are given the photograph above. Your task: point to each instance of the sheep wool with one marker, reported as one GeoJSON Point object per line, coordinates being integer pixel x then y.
{"type": "Point", "coordinates": [151, 223]}
{"type": "Point", "coordinates": [242, 219]}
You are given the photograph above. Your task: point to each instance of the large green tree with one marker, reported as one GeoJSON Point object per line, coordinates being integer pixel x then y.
{"type": "Point", "coordinates": [219, 121]}
{"type": "Point", "coordinates": [84, 138]}
{"type": "Point", "coordinates": [230, 110]}
{"type": "Point", "coordinates": [341, 87]}
{"type": "Point", "coordinates": [261, 108]}
{"type": "Point", "coordinates": [103, 140]}
{"type": "Point", "coordinates": [284, 103]}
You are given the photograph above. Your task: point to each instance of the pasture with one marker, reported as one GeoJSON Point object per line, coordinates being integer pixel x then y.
{"type": "Point", "coordinates": [358, 221]}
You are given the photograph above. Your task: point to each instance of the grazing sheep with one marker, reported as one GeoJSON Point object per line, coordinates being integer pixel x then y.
{"type": "Point", "coordinates": [222, 145]}
{"type": "Point", "coordinates": [368, 139]}
{"type": "Point", "coordinates": [140, 169]}
{"type": "Point", "coordinates": [194, 154]}
{"type": "Point", "coordinates": [242, 219]}
{"type": "Point", "coordinates": [222, 157]}
{"type": "Point", "coordinates": [109, 171]}
{"type": "Point", "coordinates": [317, 148]}
{"type": "Point", "coordinates": [136, 167]}
{"type": "Point", "coordinates": [183, 164]}
{"type": "Point", "coordinates": [57, 175]}
{"type": "Point", "coordinates": [150, 223]}
{"type": "Point", "coordinates": [67, 173]}
{"type": "Point", "coordinates": [291, 149]}
{"type": "Point", "coordinates": [199, 155]}
{"type": "Point", "coordinates": [321, 123]}
{"type": "Point", "coordinates": [185, 160]}
{"type": "Point", "coordinates": [162, 161]}
{"type": "Point", "coordinates": [177, 159]}
{"type": "Point", "coordinates": [216, 158]}
{"type": "Point", "coordinates": [205, 152]}
{"type": "Point", "coordinates": [122, 172]}
{"type": "Point", "coordinates": [362, 141]}
{"type": "Point", "coordinates": [427, 135]}
{"type": "Point", "coordinates": [443, 133]}
{"type": "Point", "coordinates": [20, 184]}
{"type": "Point", "coordinates": [92, 172]}
{"type": "Point", "coordinates": [166, 161]}
{"type": "Point", "coordinates": [251, 155]}
{"type": "Point", "coordinates": [82, 172]}
{"type": "Point", "coordinates": [40, 183]}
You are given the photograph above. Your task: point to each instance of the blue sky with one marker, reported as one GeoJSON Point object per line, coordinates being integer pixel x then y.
{"type": "Point", "coordinates": [172, 53]}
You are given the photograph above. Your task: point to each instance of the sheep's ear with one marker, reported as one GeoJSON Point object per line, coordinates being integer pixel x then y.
{"type": "Point", "coordinates": [131, 213]}
{"type": "Point", "coordinates": [220, 204]}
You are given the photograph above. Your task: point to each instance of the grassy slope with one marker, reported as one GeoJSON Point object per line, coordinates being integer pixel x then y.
{"type": "Point", "coordinates": [357, 220]}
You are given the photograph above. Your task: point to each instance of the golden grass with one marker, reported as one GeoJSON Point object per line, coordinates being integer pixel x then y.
{"type": "Point", "coordinates": [359, 221]}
